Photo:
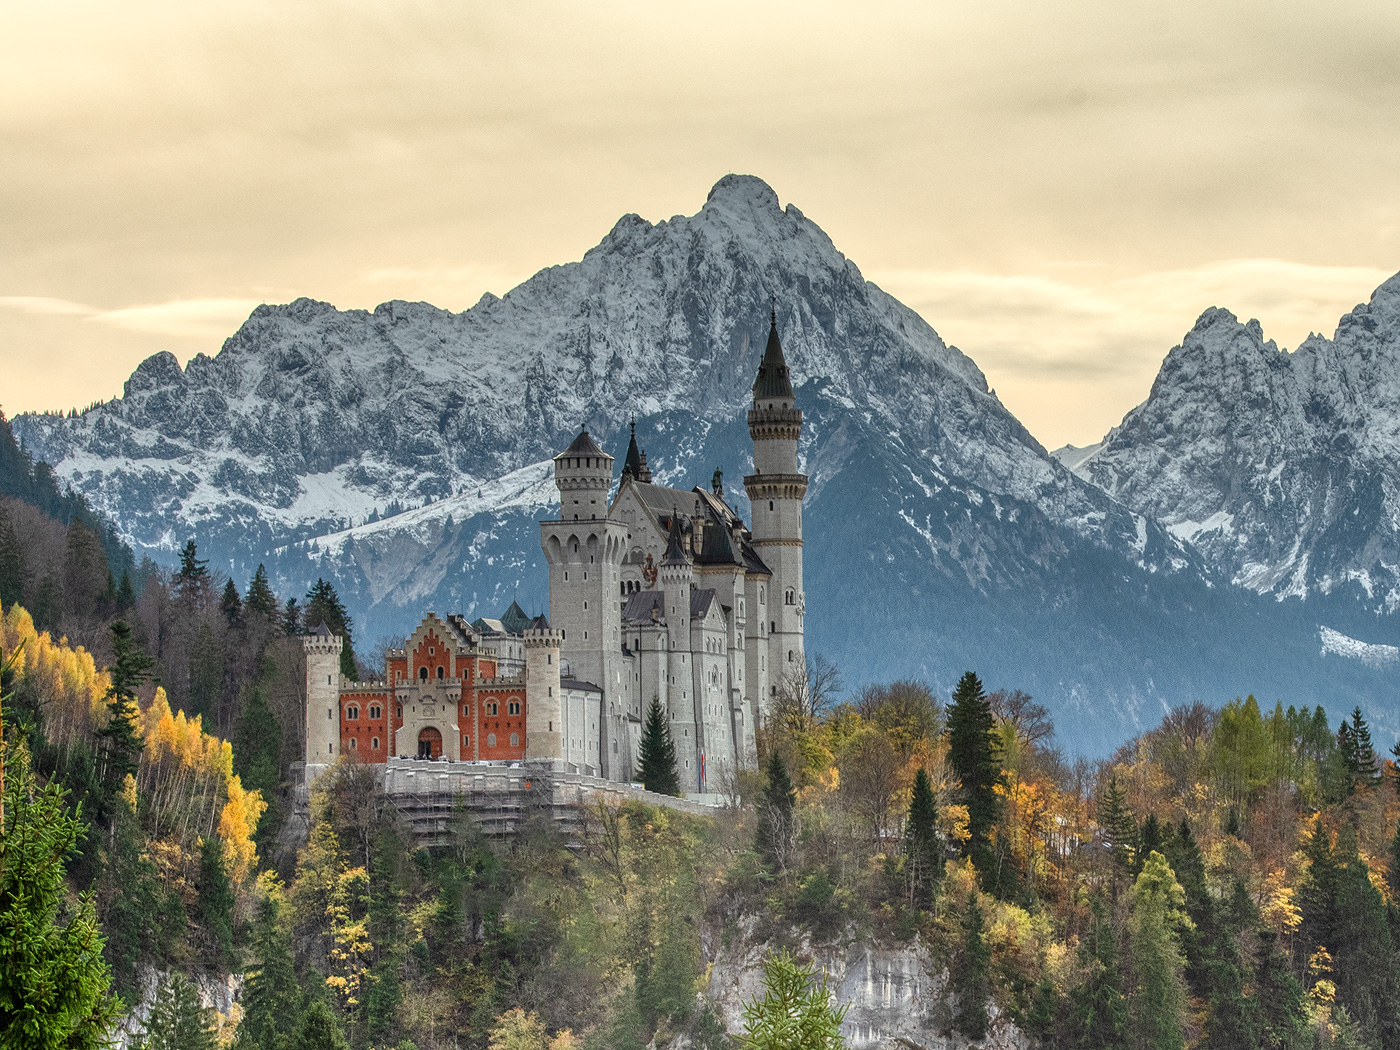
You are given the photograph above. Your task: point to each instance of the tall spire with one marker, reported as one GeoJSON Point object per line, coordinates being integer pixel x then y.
{"type": "Point", "coordinates": [632, 466]}
{"type": "Point", "coordinates": [675, 543]}
{"type": "Point", "coordinates": [773, 379]}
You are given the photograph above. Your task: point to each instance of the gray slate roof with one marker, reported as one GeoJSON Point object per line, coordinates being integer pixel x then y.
{"type": "Point", "coordinates": [773, 379]}
{"type": "Point", "coordinates": [583, 445]}
{"type": "Point", "coordinates": [700, 601]}
{"type": "Point", "coordinates": [637, 611]}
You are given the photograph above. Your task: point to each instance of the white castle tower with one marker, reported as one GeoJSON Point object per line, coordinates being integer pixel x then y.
{"type": "Point", "coordinates": [322, 700]}
{"type": "Point", "coordinates": [584, 550]}
{"type": "Point", "coordinates": [544, 706]}
{"type": "Point", "coordinates": [776, 490]}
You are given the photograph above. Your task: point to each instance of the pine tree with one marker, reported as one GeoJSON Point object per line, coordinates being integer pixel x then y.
{"type": "Point", "coordinates": [260, 598]}
{"type": "Point", "coordinates": [323, 606]}
{"type": "Point", "coordinates": [118, 743]}
{"type": "Point", "coordinates": [206, 674]}
{"type": "Point", "coordinates": [1282, 1013]}
{"type": "Point", "coordinates": [53, 979]}
{"type": "Point", "coordinates": [971, 976]}
{"type": "Point", "coordinates": [795, 1012]}
{"type": "Point", "coordinates": [777, 816]}
{"type": "Point", "coordinates": [1117, 825]}
{"type": "Point", "coordinates": [272, 1003]}
{"type": "Point", "coordinates": [1157, 1004]}
{"type": "Point", "coordinates": [215, 902]}
{"type": "Point", "coordinates": [291, 617]}
{"type": "Point", "coordinates": [657, 754]}
{"type": "Point", "coordinates": [177, 1021]}
{"type": "Point", "coordinates": [231, 604]}
{"type": "Point", "coordinates": [1354, 742]}
{"type": "Point", "coordinates": [923, 852]}
{"type": "Point", "coordinates": [192, 579]}
{"type": "Point", "coordinates": [257, 745]}
{"type": "Point", "coordinates": [976, 759]}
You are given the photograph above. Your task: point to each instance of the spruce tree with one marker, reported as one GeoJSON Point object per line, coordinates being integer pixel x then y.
{"type": "Point", "coordinates": [777, 816]}
{"type": "Point", "coordinates": [291, 617]}
{"type": "Point", "coordinates": [11, 563]}
{"type": "Point", "coordinates": [657, 754]}
{"type": "Point", "coordinates": [192, 579]}
{"type": "Point", "coordinates": [260, 598]}
{"type": "Point", "coordinates": [1117, 825]}
{"type": "Point", "coordinates": [272, 1002]}
{"type": "Point", "coordinates": [206, 674]}
{"type": "Point", "coordinates": [1157, 1004]}
{"type": "Point", "coordinates": [323, 606]}
{"type": "Point", "coordinates": [320, 1030]}
{"type": "Point", "coordinates": [1282, 1010]}
{"type": "Point", "coordinates": [923, 852]}
{"type": "Point", "coordinates": [1359, 754]}
{"type": "Point", "coordinates": [976, 759]}
{"type": "Point", "coordinates": [1098, 1016]}
{"type": "Point", "coordinates": [53, 979]}
{"type": "Point", "coordinates": [971, 974]}
{"type": "Point", "coordinates": [257, 745]}
{"type": "Point", "coordinates": [177, 1020]}
{"type": "Point", "coordinates": [231, 604]}
{"type": "Point", "coordinates": [119, 746]}
{"type": "Point", "coordinates": [216, 902]}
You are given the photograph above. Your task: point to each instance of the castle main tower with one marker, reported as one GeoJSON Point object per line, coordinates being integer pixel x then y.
{"type": "Point", "coordinates": [584, 549]}
{"type": "Point", "coordinates": [776, 490]}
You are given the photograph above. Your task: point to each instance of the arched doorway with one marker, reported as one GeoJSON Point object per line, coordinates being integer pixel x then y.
{"type": "Point", "coordinates": [429, 743]}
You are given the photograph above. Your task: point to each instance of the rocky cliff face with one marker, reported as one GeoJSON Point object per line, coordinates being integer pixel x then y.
{"type": "Point", "coordinates": [1283, 469]}
{"type": "Point", "coordinates": [404, 453]}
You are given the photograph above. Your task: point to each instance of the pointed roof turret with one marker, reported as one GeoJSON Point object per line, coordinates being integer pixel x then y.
{"type": "Point", "coordinates": [515, 619]}
{"type": "Point", "coordinates": [773, 379]}
{"type": "Point", "coordinates": [675, 544]}
{"type": "Point", "coordinates": [632, 466]}
{"type": "Point", "coordinates": [583, 445]}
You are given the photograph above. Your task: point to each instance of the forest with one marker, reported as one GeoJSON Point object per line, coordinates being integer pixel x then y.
{"type": "Point", "coordinates": [1228, 879]}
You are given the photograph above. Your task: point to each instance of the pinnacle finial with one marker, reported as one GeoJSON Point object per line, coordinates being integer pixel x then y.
{"type": "Point", "coordinates": [773, 309]}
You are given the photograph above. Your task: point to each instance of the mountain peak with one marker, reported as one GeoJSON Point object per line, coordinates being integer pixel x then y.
{"type": "Point", "coordinates": [743, 191]}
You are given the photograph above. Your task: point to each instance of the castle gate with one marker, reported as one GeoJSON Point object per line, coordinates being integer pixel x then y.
{"type": "Point", "coordinates": [429, 743]}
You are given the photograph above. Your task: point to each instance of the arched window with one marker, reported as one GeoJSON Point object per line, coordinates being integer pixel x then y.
{"type": "Point", "coordinates": [352, 712]}
{"type": "Point", "coordinates": [441, 672]}
{"type": "Point", "coordinates": [789, 597]}
{"type": "Point", "coordinates": [490, 739]}
{"type": "Point", "coordinates": [375, 711]}
{"type": "Point", "coordinates": [492, 707]}
{"type": "Point", "coordinates": [760, 596]}
{"type": "Point", "coordinates": [513, 708]}
{"type": "Point", "coordinates": [354, 744]}
{"type": "Point", "coordinates": [772, 626]}
{"type": "Point", "coordinates": [789, 656]}
{"type": "Point", "coordinates": [374, 743]}
{"type": "Point", "coordinates": [466, 740]}
{"type": "Point", "coordinates": [466, 710]}
{"type": "Point", "coordinates": [515, 740]}
{"type": "Point", "coordinates": [398, 711]}
{"type": "Point", "coordinates": [423, 674]}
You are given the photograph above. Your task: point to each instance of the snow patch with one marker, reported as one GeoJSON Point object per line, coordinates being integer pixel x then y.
{"type": "Point", "coordinates": [1369, 653]}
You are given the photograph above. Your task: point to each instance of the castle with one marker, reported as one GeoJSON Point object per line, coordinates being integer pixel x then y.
{"type": "Point", "coordinates": [661, 593]}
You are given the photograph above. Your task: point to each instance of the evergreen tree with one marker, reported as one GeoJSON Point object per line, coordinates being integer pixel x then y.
{"type": "Point", "coordinates": [53, 980]}
{"type": "Point", "coordinates": [216, 902]}
{"type": "Point", "coordinates": [119, 746]}
{"type": "Point", "coordinates": [386, 932]}
{"type": "Point", "coordinates": [971, 976]}
{"type": "Point", "coordinates": [1232, 1022]}
{"type": "Point", "coordinates": [1117, 825]}
{"type": "Point", "coordinates": [177, 1021]}
{"type": "Point", "coordinates": [657, 754]}
{"type": "Point", "coordinates": [320, 1030]}
{"type": "Point", "coordinates": [192, 578]}
{"type": "Point", "coordinates": [272, 1003]}
{"type": "Point", "coordinates": [291, 617]}
{"type": "Point", "coordinates": [1366, 969]}
{"type": "Point", "coordinates": [1098, 1017]}
{"type": "Point", "coordinates": [795, 1012]}
{"type": "Point", "coordinates": [923, 852]}
{"type": "Point", "coordinates": [126, 594]}
{"type": "Point", "coordinates": [1282, 1012]}
{"type": "Point", "coordinates": [976, 759]}
{"type": "Point", "coordinates": [206, 681]}
{"type": "Point", "coordinates": [260, 597]}
{"type": "Point", "coordinates": [1354, 742]}
{"type": "Point", "coordinates": [777, 816]}
{"type": "Point", "coordinates": [257, 745]}
{"type": "Point", "coordinates": [1149, 838]}
{"type": "Point", "coordinates": [231, 604]}
{"type": "Point", "coordinates": [11, 563]}
{"type": "Point", "coordinates": [141, 913]}
{"type": "Point", "coordinates": [1317, 895]}
{"type": "Point", "coordinates": [323, 606]}
{"type": "Point", "coordinates": [1157, 1003]}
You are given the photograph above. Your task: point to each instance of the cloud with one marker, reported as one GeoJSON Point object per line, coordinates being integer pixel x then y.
{"type": "Point", "coordinates": [183, 318]}
{"type": "Point", "coordinates": [43, 304]}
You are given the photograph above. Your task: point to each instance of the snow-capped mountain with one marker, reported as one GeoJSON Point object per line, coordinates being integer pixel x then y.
{"type": "Point", "coordinates": [405, 452]}
{"type": "Point", "coordinates": [1282, 468]}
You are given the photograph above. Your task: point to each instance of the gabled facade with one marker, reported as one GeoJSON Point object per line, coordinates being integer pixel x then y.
{"type": "Point", "coordinates": [655, 592]}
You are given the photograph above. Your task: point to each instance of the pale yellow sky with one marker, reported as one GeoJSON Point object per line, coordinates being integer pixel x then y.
{"type": "Point", "coordinates": [1058, 187]}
